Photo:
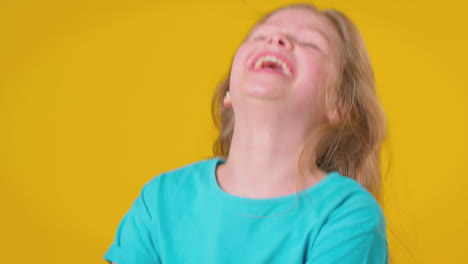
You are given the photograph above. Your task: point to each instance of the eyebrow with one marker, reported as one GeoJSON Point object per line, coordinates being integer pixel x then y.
{"type": "Point", "coordinates": [307, 27]}
{"type": "Point", "coordinates": [320, 32]}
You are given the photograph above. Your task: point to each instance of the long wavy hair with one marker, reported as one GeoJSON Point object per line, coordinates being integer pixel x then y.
{"type": "Point", "coordinates": [351, 145]}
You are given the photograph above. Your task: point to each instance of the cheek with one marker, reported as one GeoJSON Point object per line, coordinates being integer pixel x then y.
{"type": "Point", "coordinates": [314, 67]}
{"type": "Point", "coordinates": [312, 85]}
{"type": "Point", "coordinates": [313, 77]}
{"type": "Point", "coordinates": [238, 65]}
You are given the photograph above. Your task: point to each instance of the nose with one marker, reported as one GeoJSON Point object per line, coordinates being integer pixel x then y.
{"type": "Point", "coordinates": [280, 40]}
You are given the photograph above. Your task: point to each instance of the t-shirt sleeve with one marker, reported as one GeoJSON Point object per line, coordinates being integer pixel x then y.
{"type": "Point", "coordinates": [354, 233]}
{"type": "Point", "coordinates": [135, 241]}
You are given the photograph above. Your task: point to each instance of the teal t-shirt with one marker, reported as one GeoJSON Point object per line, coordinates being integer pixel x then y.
{"type": "Point", "coordinates": [183, 216]}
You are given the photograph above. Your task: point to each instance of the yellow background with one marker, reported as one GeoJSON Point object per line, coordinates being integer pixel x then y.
{"type": "Point", "coordinates": [97, 97]}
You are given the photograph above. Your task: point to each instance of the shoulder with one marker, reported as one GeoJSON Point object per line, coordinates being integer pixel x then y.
{"type": "Point", "coordinates": [349, 201]}
{"type": "Point", "coordinates": [193, 170]}
{"type": "Point", "coordinates": [352, 229]}
{"type": "Point", "coordinates": [342, 189]}
{"type": "Point", "coordinates": [188, 176]}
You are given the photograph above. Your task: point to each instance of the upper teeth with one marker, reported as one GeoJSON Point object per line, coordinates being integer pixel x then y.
{"type": "Point", "coordinates": [273, 59]}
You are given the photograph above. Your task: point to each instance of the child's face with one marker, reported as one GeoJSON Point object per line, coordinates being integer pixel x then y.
{"type": "Point", "coordinates": [285, 58]}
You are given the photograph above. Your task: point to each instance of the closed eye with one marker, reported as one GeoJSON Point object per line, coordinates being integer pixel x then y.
{"type": "Point", "coordinates": [258, 37]}
{"type": "Point", "coordinates": [307, 44]}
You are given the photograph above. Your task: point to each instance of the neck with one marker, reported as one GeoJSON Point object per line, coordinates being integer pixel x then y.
{"type": "Point", "coordinates": [263, 158]}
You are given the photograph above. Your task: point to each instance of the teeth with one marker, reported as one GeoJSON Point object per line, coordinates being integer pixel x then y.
{"type": "Point", "coordinates": [273, 59]}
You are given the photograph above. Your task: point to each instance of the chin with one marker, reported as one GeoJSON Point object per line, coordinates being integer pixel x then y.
{"type": "Point", "coordinates": [262, 91]}
{"type": "Point", "coordinates": [264, 94]}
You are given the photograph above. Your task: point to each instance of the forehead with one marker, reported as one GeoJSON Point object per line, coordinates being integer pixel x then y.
{"type": "Point", "coordinates": [295, 15]}
{"type": "Point", "coordinates": [301, 18]}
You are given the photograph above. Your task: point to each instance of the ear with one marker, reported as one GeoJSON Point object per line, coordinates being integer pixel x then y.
{"type": "Point", "coordinates": [334, 117]}
{"type": "Point", "coordinates": [227, 100]}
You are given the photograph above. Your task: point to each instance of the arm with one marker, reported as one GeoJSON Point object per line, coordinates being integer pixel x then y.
{"type": "Point", "coordinates": [354, 233]}
{"type": "Point", "coordinates": [135, 242]}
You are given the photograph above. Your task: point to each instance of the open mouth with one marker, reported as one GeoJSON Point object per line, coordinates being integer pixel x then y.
{"type": "Point", "coordinates": [273, 63]}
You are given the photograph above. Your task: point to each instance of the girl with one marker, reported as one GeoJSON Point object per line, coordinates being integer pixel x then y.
{"type": "Point", "coordinates": [297, 171]}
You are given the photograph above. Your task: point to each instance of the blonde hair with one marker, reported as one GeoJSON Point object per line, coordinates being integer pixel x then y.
{"type": "Point", "coordinates": [352, 144]}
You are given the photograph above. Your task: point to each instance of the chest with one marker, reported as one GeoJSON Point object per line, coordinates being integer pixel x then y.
{"type": "Point", "coordinates": [214, 233]}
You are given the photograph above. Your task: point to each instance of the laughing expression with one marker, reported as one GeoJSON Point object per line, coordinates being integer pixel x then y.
{"type": "Point", "coordinates": [284, 59]}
